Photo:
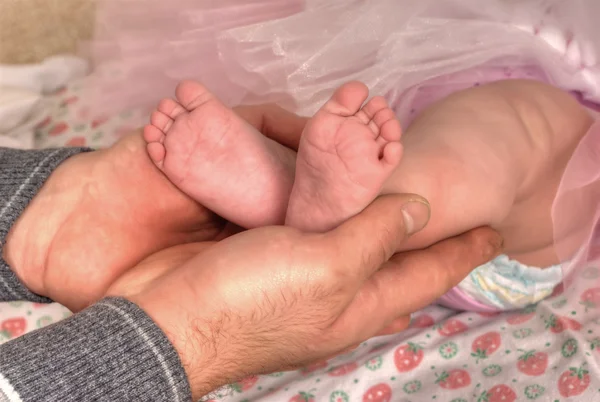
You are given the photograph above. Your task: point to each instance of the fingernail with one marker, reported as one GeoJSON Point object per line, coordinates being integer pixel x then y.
{"type": "Point", "coordinates": [416, 215]}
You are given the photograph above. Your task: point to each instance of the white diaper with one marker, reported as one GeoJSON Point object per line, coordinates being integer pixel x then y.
{"type": "Point", "coordinates": [507, 284]}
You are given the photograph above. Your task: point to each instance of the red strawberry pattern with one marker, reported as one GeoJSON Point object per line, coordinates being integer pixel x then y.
{"type": "Point", "coordinates": [13, 327]}
{"type": "Point", "coordinates": [485, 345]}
{"type": "Point", "coordinates": [58, 129]}
{"type": "Point", "coordinates": [378, 393]}
{"type": "Point", "coordinates": [303, 397]}
{"type": "Point", "coordinates": [245, 384]}
{"type": "Point", "coordinates": [590, 298]}
{"type": "Point", "coordinates": [454, 379]}
{"type": "Point", "coordinates": [76, 142]}
{"type": "Point", "coordinates": [314, 367]}
{"type": "Point", "coordinates": [520, 318]}
{"type": "Point", "coordinates": [70, 100]}
{"type": "Point", "coordinates": [422, 321]}
{"type": "Point", "coordinates": [488, 314]}
{"type": "Point", "coordinates": [574, 381]}
{"type": "Point", "coordinates": [558, 324]}
{"type": "Point", "coordinates": [98, 122]}
{"type": "Point", "coordinates": [452, 327]}
{"type": "Point", "coordinates": [498, 393]}
{"type": "Point", "coordinates": [533, 363]}
{"type": "Point", "coordinates": [558, 290]}
{"type": "Point", "coordinates": [408, 357]}
{"type": "Point", "coordinates": [343, 369]}
{"type": "Point", "coordinates": [595, 344]}
{"type": "Point", "coordinates": [44, 123]}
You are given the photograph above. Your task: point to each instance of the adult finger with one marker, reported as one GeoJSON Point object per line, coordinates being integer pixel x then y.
{"type": "Point", "coordinates": [369, 239]}
{"type": "Point", "coordinates": [412, 280]}
{"type": "Point", "coordinates": [275, 122]}
{"type": "Point", "coordinates": [398, 325]}
{"type": "Point", "coordinates": [435, 270]}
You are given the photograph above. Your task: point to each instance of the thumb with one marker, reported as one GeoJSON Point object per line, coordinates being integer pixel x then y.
{"type": "Point", "coordinates": [371, 238]}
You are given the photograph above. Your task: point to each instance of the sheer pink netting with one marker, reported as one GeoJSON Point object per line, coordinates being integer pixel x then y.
{"type": "Point", "coordinates": [576, 210]}
{"type": "Point", "coordinates": [297, 51]}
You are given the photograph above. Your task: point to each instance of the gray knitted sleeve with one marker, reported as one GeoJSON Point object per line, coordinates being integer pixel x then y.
{"type": "Point", "coordinates": [111, 352]}
{"type": "Point", "coordinates": [22, 173]}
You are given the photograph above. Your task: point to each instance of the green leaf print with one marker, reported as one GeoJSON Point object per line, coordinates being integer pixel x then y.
{"type": "Point", "coordinates": [374, 364]}
{"type": "Point", "coordinates": [492, 370]}
{"type": "Point", "coordinates": [448, 350]}
{"type": "Point", "coordinates": [98, 136]}
{"type": "Point", "coordinates": [522, 333]}
{"type": "Point", "coordinates": [533, 392]}
{"type": "Point", "coordinates": [412, 387]}
{"type": "Point", "coordinates": [569, 348]}
{"type": "Point", "coordinates": [44, 321]}
{"type": "Point", "coordinates": [339, 396]}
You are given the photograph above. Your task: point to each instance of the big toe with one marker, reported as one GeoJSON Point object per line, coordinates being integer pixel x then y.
{"type": "Point", "coordinates": [348, 99]}
{"type": "Point", "coordinates": [192, 94]}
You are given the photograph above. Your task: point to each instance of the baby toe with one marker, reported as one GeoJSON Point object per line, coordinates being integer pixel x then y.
{"type": "Point", "coordinates": [161, 121]}
{"type": "Point", "coordinates": [153, 134]}
{"type": "Point", "coordinates": [171, 108]}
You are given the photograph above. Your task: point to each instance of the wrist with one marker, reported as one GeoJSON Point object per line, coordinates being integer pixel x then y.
{"type": "Point", "coordinates": [196, 348]}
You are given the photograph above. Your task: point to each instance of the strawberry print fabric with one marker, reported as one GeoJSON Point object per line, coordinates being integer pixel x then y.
{"type": "Point", "coordinates": [18, 318]}
{"type": "Point", "coordinates": [72, 122]}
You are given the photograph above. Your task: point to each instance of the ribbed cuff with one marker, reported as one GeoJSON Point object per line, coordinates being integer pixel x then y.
{"type": "Point", "coordinates": [22, 174]}
{"type": "Point", "coordinates": [111, 351]}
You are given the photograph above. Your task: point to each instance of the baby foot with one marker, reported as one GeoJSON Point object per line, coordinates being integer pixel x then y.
{"type": "Point", "coordinates": [218, 159]}
{"type": "Point", "coordinates": [347, 152]}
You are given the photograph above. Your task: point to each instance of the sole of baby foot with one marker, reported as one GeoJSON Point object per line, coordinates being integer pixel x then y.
{"type": "Point", "coordinates": [218, 159]}
{"type": "Point", "coordinates": [346, 153]}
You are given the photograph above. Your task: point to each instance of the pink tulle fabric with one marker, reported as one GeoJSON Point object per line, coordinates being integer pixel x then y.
{"type": "Point", "coordinates": [142, 49]}
{"type": "Point", "coordinates": [576, 210]}
{"type": "Point", "coordinates": [296, 52]}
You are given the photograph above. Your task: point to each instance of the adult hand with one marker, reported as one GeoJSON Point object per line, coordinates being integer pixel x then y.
{"type": "Point", "coordinates": [101, 213]}
{"type": "Point", "coordinates": [275, 298]}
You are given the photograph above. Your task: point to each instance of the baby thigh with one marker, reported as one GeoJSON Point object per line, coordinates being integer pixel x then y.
{"type": "Point", "coordinates": [461, 161]}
